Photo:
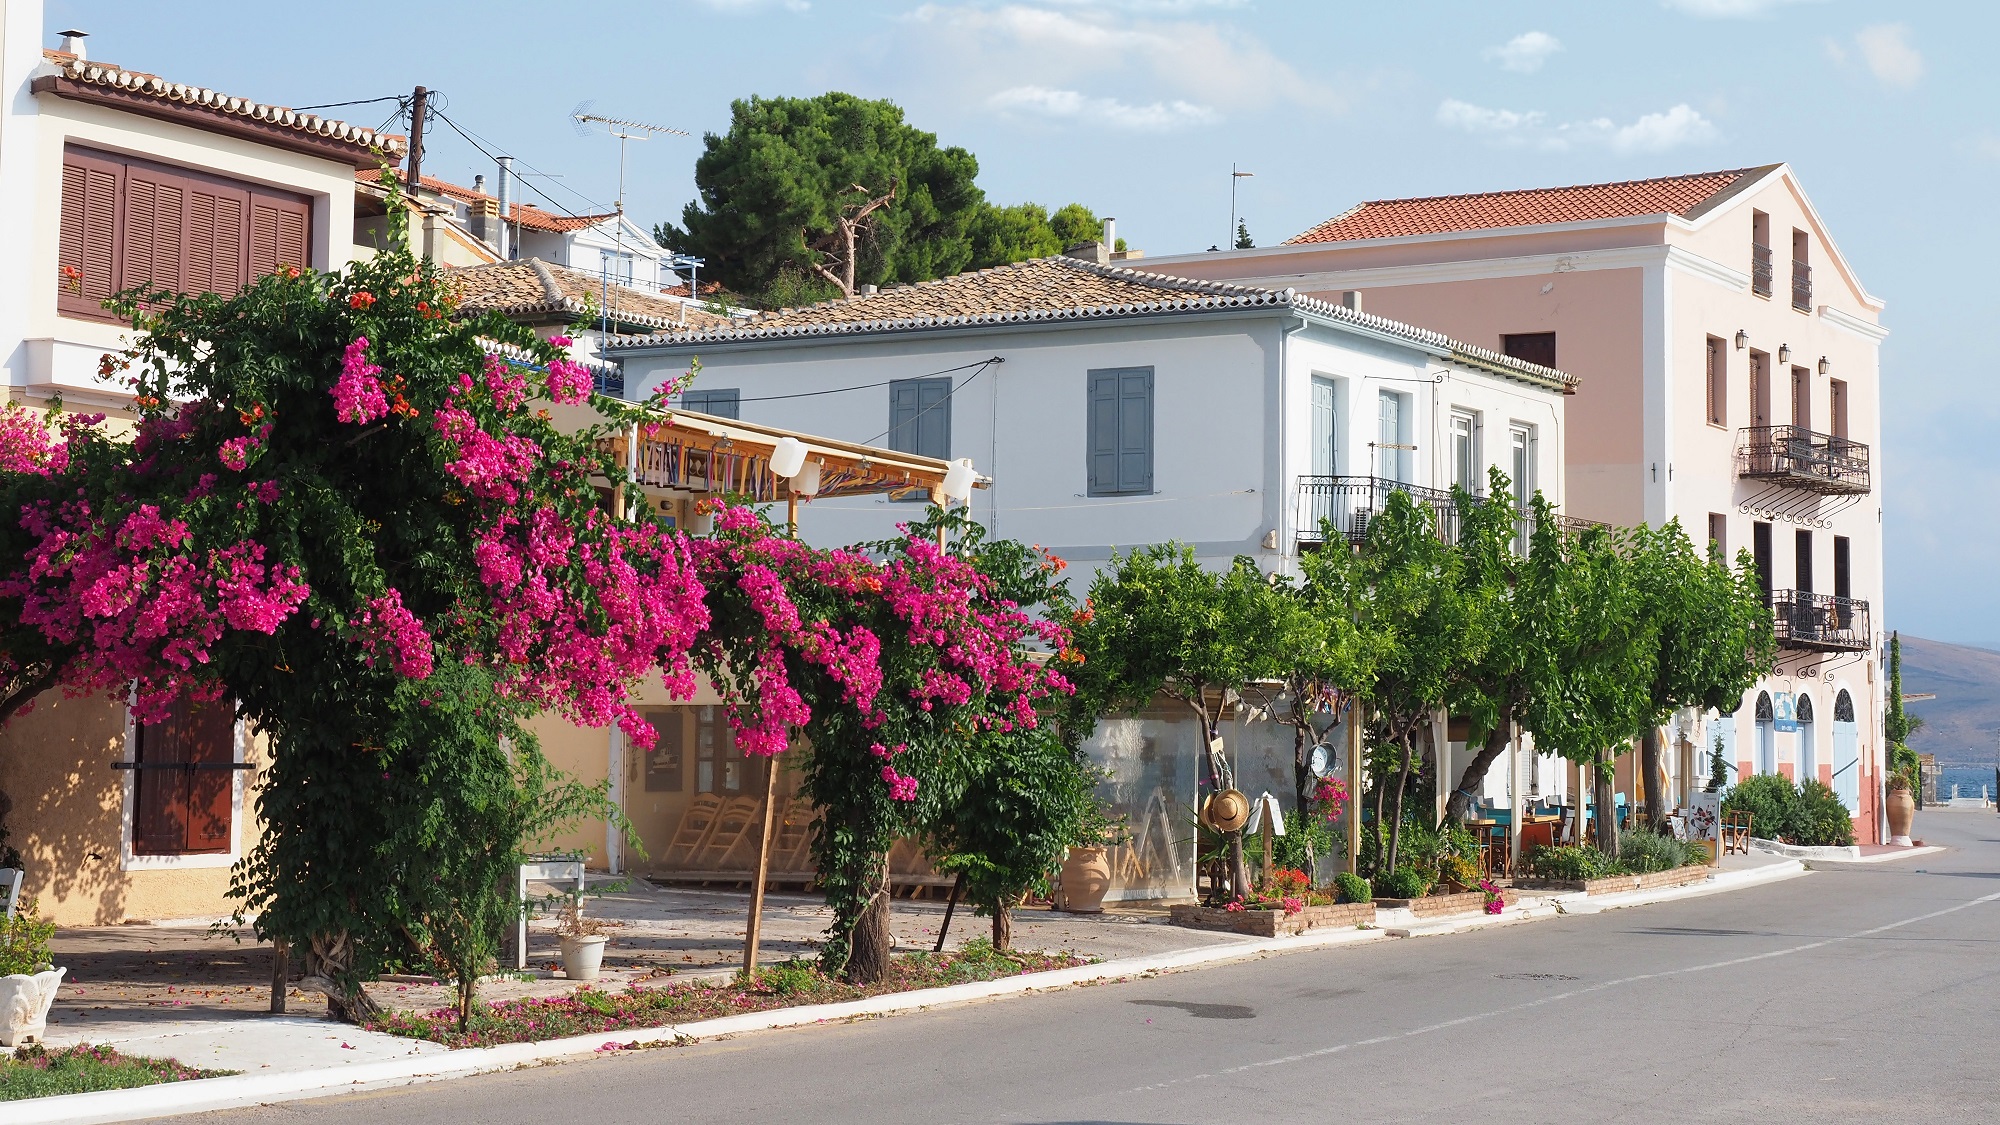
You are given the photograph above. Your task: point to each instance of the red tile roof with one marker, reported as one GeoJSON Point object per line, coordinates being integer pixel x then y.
{"type": "Point", "coordinates": [1685, 196]}
{"type": "Point", "coordinates": [524, 214]}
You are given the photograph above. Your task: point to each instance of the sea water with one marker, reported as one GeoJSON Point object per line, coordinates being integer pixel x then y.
{"type": "Point", "coordinates": [1967, 778]}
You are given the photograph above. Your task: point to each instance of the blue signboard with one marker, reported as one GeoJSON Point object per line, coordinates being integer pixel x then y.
{"type": "Point", "coordinates": [1784, 714]}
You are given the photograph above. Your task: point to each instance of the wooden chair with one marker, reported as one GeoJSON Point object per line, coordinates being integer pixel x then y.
{"type": "Point", "coordinates": [10, 888]}
{"type": "Point", "coordinates": [740, 819]}
{"type": "Point", "coordinates": [1736, 832]}
{"type": "Point", "coordinates": [791, 844]}
{"type": "Point", "coordinates": [693, 831]}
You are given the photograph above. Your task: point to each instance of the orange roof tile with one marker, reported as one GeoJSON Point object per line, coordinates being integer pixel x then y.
{"type": "Point", "coordinates": [1685, 196]}
{"type": "Point", "coordinates": [524, 214]}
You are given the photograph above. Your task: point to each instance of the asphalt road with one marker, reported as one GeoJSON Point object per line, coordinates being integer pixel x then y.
{"type": "Point", "coordinates": [1853, 993]}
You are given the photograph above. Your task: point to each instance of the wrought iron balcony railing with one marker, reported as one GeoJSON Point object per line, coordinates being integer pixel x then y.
{"type": "Point", "coordinates": [1351, 503]}
{"type": "Point", "coordinates": [1820, 622]}
{"type": "Point", "coordinates": [1802, 458]}
{"type": "Point", "coordinates": [1760, 270]}
{"type": "Point", "coordinates": [1801, 286]}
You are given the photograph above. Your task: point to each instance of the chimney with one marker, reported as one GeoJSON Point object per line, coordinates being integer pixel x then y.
{"type": "Point", "coordinates": [1090, 252]}
{"type": "Point", "coordinates": [479, 184]}
{"type": "Point", "coordinates": [506, 208]}
{"type": "Point", "coordinates": [1351, 299]}
{"type": "Point", "coordinates": [1111, 232]}
{"type": "Point", "coordinates": [72, 41]}
{"type": "Point", "coordinates": [867, 290]}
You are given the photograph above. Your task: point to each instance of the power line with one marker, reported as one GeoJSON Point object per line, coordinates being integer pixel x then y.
{"type": "Point", "coordinates": [485, 149]}
{"type": "Point", "coordinates": [938, 403]}
{"type": "Point", "coordinates": [869, 386]}
{"type": "Point", "coordinates": [488, 155]}
{"type": "Point", "coordinates": [400, 99]}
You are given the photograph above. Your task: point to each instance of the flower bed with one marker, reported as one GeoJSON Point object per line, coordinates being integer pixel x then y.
{"type": "Point", "coordinates": [37, 1072]}
{"type": "Point", "coordinates": [1271, 923]}
{"type": "Point", "coordinates": [1612, 884]}
{"type": "Point", "coordinates": [1431, 906]}
{"type": "Point", "coordinates": [787, 985]}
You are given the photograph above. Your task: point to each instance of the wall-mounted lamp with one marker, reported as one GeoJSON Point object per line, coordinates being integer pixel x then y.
{"type": "Point", "coordinates": [1784, 353]}
{"type": "Point", "coordinates": [1824, 366]}
{"type": "Point", "coordinates": [1742, 339]}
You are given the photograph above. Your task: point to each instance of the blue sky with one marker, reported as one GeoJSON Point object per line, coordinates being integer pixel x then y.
{"type": "Point", "coordinates": [1138, 107]}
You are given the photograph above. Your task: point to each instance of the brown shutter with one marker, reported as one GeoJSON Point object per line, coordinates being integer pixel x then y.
{"type": "Point", "coordinates": [89, 239]}
{"type": "Point", "coordinates": [180, 811]}
{"type": "Point", "coordinates": [278, 234]}
{"type": "Point", "coordinates": [211, 740]}
{"type": "Point", "coordinates": [159, 808]}
{"type": "Point", "coordinates": [155, 228]}
{"type": "Point", "coordinates": [215, 239]}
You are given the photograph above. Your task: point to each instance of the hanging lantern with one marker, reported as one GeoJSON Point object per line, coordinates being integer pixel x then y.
{"type": "Point", "coordinates": [958, 481]}
{"type": "Point", "coordinates": [788, 457]}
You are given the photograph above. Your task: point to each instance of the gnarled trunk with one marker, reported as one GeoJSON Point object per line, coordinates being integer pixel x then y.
{"type": "Point", "coordinates": [1459, 805]}
{"type": "Point", "coordinates": [1239, 872]}
{"type": "Point", "coordinates": [1649, 764]}
{"type": "Point", "coordinates": [870, 943]}
{"type": "Point", "coordinates": [1003, 926]}
{"type": "Point", "coordinates": [329, 962]}
{"type": "Point", "coordinates": [1396, 813]}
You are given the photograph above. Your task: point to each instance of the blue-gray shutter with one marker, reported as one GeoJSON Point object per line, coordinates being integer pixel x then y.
{"type": "Point", "coordinates": [722, 402]}
{"type": "Point", "coordinates": [920, 417]}
{"type": "Point", "coordinates": [1119, 431]}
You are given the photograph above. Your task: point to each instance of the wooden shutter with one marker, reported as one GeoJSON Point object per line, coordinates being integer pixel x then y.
{"type": "Point", "coordinates": [216, 237]}
{"type": "Point", "coordinates": [1718, 386]}
{"type": "Point", "coordinates": [179, 810]}
{"type": "Point", "coordinates": [279, 234]}
{"type": "Point", "coordinates": [1323, 427]}
{"type": "Point", "coordinates": [1836, 401]}
{"type": "Point", "coordinates": [89, 238]}
{"type": "Point", "coordinates": [920, 417]}
{"type": "Point", "coordinates": [723, 402]}
{"type": "Point", "coordinates": [1802, 397]}
{"type": "Point", "coordinates": [1120, 431]}
{"type": "Point", "coordinates": [155, 229]}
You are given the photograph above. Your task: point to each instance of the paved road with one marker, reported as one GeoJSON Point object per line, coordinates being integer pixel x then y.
{"type": "Point", "coordinates": [1863, 992]}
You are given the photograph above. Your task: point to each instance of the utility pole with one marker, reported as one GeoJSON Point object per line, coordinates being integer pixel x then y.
{"type": "Point", "coordinates": [419, 107]}
{"type": "Point", "coordinates": [1234, 177]}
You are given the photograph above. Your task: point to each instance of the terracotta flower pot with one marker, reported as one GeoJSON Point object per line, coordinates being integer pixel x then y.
{"type": "Point", "coordinates": [1086, 876]}
{"type": "Point", "coordinates": [1902, 811]}
{"type": "Point", "coordinates": [582, 957]}
{"type": "Point", "coordinates": [24, 1005]}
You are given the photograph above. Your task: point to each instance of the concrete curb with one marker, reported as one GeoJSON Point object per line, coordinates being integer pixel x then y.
{"type": "Point", "coordinates": [207, 1094]}
{"type": "Point", "coordinates": [1880, 857]}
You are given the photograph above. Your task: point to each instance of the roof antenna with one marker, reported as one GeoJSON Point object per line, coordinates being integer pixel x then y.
{"type": "Point", "coordinates": [626, 131]}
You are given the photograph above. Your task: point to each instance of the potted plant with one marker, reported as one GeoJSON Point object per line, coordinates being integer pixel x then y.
{"type": "Point", "coordinates": [28, 977]}
{"type": "Point", "coordinates": [1086, 870]}
{"type": "Point", "coordinates": [1902, 808]}
{"type": "Point", "coordinates": [582, 938]}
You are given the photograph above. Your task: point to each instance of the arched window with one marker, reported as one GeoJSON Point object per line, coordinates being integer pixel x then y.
{"type": "Point", "coordinates": [1763, 706]}
{"type": "Point", "coordinates": [1804, 713]}
{"type": "Point", "coordinates": [1843, 707]}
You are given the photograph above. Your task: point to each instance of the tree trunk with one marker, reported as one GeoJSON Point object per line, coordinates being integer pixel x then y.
{"type": "Point", "coordinates": [1459, 806]}
{"type": "Point", "coordinates": [1239, 872]}
{"type": "Point", "coordinates": [1396, 824]}
{"type": "Point", "coordinates": [1003, 926]}
{"type": "Point", "coordinates": [328, 963]}
{"type": "Point", "coordinates": [1649, 765]}
{"type": "Point", "coordinates": [869, 945]}
{"type": "Point", "coordinates": [1607, 804]}
{"type": "Point", "coordinates": [1302, 776]}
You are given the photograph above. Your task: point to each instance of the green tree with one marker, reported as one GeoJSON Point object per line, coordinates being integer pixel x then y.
{"type": "Point", "coordinates": [1898, 725]}
{"type": "Point", "coordinates": [1490, 691]}
{"type": "Point", "coordinates": [834, 186]}
{"type": "Point", "coordinates": [1001, 235]}
{"type": "Point", "coordinates": [1243, 241]}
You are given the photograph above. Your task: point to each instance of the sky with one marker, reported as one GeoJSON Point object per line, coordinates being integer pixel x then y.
{"type": "Point", "coordinates": [1139, 109]}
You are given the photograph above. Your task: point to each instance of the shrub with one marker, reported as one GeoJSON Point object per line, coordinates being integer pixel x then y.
{"type": "Point", "coordinates": [1572, 863]}
{"type": "Point", "coordinates": [1646, 852]}
{"type": "Point", "coordinates": [1770, 799]}
{"type": "Point", "coordinates": [1460, 870]}
{"type": "Point", "coordinates": [24, 941]}
{"type": "Point", "coordinates": [791, 977]}
{"type": "Point", "coordinates": [1353, 888]}
{"type": "Point", "coordinates": [1819, 819]}
{"type": "Point", "coordinates": [1405, 882]}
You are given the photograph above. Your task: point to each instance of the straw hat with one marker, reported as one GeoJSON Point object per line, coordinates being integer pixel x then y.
{"type": "Point", "coordinates": [1227, 811]}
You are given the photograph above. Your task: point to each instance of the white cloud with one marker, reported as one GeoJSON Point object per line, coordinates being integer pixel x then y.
{"type": "Point", "coordinates": [1890, 57]}
{"type": "Point", "coordinates": [1730, 9]}
{"type": "Point", "coordinates": [1069, 105]}
{"type": "Point", "coordinates": [1525, 53]}
{"type": "Point", "coordinates": [1835, 51]}
{"type": "Point", "coordinates": [1679, 126]}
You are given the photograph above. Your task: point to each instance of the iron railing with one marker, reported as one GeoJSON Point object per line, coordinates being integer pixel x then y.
{"type": "Point", "coordinates": [1820, 622]}
{"type": "Point", "coordinates": [1352, 503]}
{"type": "Point", "coordinates": [1801, 286]}
{"type": "Point", "coordinates": [1761, 272]}
{"type": "Point", "coordinates": [1807, 459]}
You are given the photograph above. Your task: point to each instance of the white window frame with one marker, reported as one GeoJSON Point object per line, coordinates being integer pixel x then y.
{"type": "Point", "coordinates": [128, 808]}
{"type": "Point", "coordinates": [1397, 453]}
{"type": "Point", "coordinates": [1468, 474]}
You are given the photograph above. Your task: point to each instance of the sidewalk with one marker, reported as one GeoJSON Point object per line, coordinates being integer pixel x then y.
{"type": "Point", "coordinates": [299, 1056]}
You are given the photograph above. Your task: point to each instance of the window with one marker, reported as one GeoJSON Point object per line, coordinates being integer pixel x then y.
{"type": "Point", "coordinates": [722, 402]}
{"type": "Point", "coordinates": [920, 417]}
{"type": "Point", "coordinates": [1843, 568]}
{"type": "Point", "coordinates": [616, 265]}
{"type": "Point", "coordinates": [184, 781]}
{"type": "Point", "coordinates": [1465, 466]}
{"type": "Point", "coordinates": [718, 767]}
{"type": "Point", "coordinates": [1760, 253]}
{"type": "Point", "coordinates": [1836, 407]}
{"type": "Point", "coordinates": [1760, 551]}
{"type": "Point", "coordinates": [1767, 745]}
{"type": "Point", "coordinates": [1119, 431]}
{"type": "Point", "coordinates": [1760, 389]}
{"type": "Point", "coordinates": [1325, 426]}
{"type": "Point", "coordinates": [1521, 470]}
{"type": "Point", "coordinates": [1718, 382]}
{"type": "Point", "coordinates": [1392, 437]}
{"type": "Point", "coordinates": [1718, 534]}
{"type": "Point", "coordinates": [1801, 273]}
{"type": "Point", "coordinates": [1802, 397]}
{"type": "Point", "coordinates": [1535, 347]}
{"type": "Point", "coordinates": [1802, 562]}
{"type": "Point", "coordinates": [127, 223]}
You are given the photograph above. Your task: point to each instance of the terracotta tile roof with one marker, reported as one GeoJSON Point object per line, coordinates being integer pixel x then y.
{"type": "Point", "coordinates": [1062, 288]}
{"type": "Point", "coordinates": [531, 286]}
{"type": "Point", "coordinates": [112, 77]}
{"type": "Point", "coordinates": [524, 214]}
{"type": "Point", "coordinates": [1685, 196]}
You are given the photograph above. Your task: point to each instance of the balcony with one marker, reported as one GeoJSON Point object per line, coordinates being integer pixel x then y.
{"type": "Point", "coordinates": [1803, 459]}
{"type": "Point", "coordinates": [1760, 270]}
{"type": "Point", "coordinates": [1801, 286]}
{"type": "Point", "coordinates": [1820, 622]}
{"type": "Point", "coordinates": [1352, 502]}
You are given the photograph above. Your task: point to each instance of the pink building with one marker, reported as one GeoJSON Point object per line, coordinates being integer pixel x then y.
{"type": "Point", "coordinates": [1728, 358]}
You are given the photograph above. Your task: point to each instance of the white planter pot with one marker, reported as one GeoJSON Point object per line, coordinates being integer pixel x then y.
{"type": "Point", "coordinates": [24, 1006]}
{"type": "Point", "coordinates": [582, 957]}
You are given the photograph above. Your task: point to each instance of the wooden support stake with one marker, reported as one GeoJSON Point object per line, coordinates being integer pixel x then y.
{"type": "Point", "coordinates": [754, 931]}
{"type": "Point", "coordinates": [950, 905]}
{"type": "Point", "coordinates": [1353, 787]}
{"type": "Point", "coordinates": [281, 974]}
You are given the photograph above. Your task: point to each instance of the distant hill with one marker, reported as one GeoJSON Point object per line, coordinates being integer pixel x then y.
{"type": "Point", "coordinates": [1962, 725]}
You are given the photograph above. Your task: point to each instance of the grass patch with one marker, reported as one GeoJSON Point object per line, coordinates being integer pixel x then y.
{"type": "Point", "coordinates": [785, 985]}
{"type": "Point", "coordinates": [37, 1072]}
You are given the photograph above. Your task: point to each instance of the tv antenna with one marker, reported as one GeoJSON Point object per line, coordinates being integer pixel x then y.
{"type": "Point", "coordinates": [624, 130]}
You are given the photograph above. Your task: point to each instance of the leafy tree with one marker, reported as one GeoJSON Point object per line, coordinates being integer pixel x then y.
{"type": "Point", "coordinates": [1898, 725]}
{"type": "Point", "coordinates": [1243, 241]}
{"type": "Point", "coordinates": [1491, 690]}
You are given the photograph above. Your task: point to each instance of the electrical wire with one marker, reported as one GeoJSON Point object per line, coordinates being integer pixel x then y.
{"type": "Point", "coordinates": [485, 148]}
{"type": "Point", "coordinates": [938, 403]}
{"type": "Point", "coordinates": [400, 99]}
{"type": "Point", "coordinates": [488, 155]}
{"type": "Point", "coordinates": [868, 386]}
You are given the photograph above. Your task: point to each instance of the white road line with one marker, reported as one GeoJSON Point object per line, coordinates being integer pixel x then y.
{"type": "Point", "coordinates": [1573, 993]}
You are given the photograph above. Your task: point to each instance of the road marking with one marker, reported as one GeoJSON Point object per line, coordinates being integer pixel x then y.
{"type": "Point", "coordinates": [1446, 1025]}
